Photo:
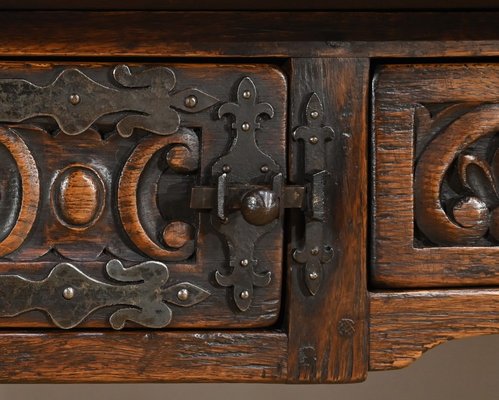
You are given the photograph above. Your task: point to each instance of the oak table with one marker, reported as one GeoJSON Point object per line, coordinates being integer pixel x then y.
{"type": "Point", "coordinates": [254, 192]}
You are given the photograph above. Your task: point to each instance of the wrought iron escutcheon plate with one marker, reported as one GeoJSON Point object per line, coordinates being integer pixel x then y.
{"type": "Point", "coordinates": [251, 183]}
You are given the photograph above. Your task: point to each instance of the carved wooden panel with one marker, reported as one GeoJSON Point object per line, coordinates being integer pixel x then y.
{"type": "Point", "coordinates": [436, 132]}
{"type": "Point", "coordinates": [97, 166]}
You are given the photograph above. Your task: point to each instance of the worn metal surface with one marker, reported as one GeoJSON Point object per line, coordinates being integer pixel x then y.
{"type": "Point", "coordinates": [242, 237]}
{"type": "Point", "coordinates": [244, 158]}
{"type": "Point", "coordinates": [315, 250]}
{"type": "Point", "coordinates": [243, 184]}
{"type": "Point", "coordinates": [240, 174]}
{"type": "Point", "coordinates": [260, 206]}
{"type": "Point", "coordinates": [68, 295]}
{"type": "Point", "coordinates": [75, 101]}
{"type": "Point", "coordinates": [204, 197]}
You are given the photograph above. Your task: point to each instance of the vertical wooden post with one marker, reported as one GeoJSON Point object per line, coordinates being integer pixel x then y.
{"type": "Point", "coordinates": [328, 331]}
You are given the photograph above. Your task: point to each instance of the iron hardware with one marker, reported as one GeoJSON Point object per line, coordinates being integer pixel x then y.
{"type": "Point", "coordinates": [68, 295]}
{"type": "Point", "coordinates": [250, 196]}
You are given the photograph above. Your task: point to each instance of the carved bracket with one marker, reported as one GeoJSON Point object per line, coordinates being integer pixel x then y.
{"type": "Point", "coordinates": [68, 295]}
{"type": "Point", "coordinates": [315, 251]}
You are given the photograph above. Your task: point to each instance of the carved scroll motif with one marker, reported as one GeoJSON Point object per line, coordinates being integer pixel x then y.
{"type": "Point", "coordinates": [73, 215]}
{"type": "Point", "coordinates": [456, 184]}
{"type": "Point", "coordinates": [75, 101]}
{"type": "Point", "coordinates": [19, 191]}
{"type": "Point", "coordinates": [184, 157]}
{"type": "Point", "coordinates": [69, 296]}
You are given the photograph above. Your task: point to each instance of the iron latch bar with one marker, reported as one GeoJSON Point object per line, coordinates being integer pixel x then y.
{"type": "Point", "coordinates": [205, 197]}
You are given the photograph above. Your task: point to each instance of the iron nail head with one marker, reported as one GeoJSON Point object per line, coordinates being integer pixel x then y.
{"type": "Point", "coordinates": [68, 293]}
{"type": "Point", "coordinates": [183, 294]}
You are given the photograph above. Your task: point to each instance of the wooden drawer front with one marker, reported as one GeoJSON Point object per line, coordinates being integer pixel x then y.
{"type": "Point", "coordinates": [436, 183]}
{"type": "Point", "coordinates": [99, 223]}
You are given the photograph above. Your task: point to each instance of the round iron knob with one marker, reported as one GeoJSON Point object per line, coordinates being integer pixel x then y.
{"type": "Point", "coordinates": [260, 207]}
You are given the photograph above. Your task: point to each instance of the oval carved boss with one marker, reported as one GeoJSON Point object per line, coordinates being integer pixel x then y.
{"type": "Point", "coordinates": [26, 184]}
{"type": "Point", "coordinates": [181, 153]}
{"type": "Point", "coordinates": [78, 196]}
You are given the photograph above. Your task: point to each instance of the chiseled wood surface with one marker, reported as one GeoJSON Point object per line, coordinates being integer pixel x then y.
{"type": "Point", "coordinates": [248, 34]}
{"type": "Point", "coordinates": [142, 356]}
{"type": "Point", "coordinates": [404, 324]}
{"type": "Point", "coordinates": [435, 197]}
{"type": "Point", "coordinates": [328, 331]}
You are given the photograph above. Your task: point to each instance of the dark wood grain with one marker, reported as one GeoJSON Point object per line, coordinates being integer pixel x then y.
{"type": "Point", "coordinates": [142, 356]}
{"type": "Point", "coordinates": [247, 5]}
{"type": "Point", "coordinates": [327, 332]}
{"type": "Point", "coordinates": [406, 324]}
{"type": "Point", "coordinates": [249, 34]}
{"type": "Point", "coordinates": [432, 226]}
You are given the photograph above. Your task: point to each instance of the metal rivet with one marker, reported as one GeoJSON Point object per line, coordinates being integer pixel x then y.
{"type": "Point", "coordinates": [191, 101]}
{"type": "Point", "coordinates": [264, 169]}
{"type": "Point", "coordinates": [244, 262]}
{"type": "Point", "coordinates": [226, 168]}
{"type": "Point", "coordinates": [245, 127]}
{"type": "Point", "coordinates": [314, 114]}
{"type": "Point", "coordinates": [68, 293]}
{"type": "Point", "coordinates": [314, 140]}
{"type": "Point", "coordinates": [183, 294]}
{"type": "Point", "coordinates": [246, 94]}
{"type": "Point", "coordinates": [74, 99]}
{"type": "Point", "coordinates": [314, 251]}
{"type": "Point", "coordinates": [313, 275]}
{"type": "Point", "coordinates": [244, 295]}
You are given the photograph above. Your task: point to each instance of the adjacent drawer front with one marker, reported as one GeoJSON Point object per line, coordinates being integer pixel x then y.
{"type": "Point", "coordinates": [436, 175]}
{"type": "Point", "coordinates": [122, 189]}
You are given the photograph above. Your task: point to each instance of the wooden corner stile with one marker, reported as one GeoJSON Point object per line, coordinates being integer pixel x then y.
{"type": "Point", "coordinates": [327, 331]}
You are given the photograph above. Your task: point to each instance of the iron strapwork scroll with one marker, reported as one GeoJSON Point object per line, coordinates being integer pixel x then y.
{"type": "Point", "coordinates": [68, 295]}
